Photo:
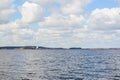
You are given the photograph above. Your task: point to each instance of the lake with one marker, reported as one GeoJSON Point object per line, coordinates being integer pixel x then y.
{"type": "Point", "coordinates": [59, 64]}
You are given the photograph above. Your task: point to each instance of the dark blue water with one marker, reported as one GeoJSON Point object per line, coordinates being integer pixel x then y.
{"type": "Point", "coordinates": [59, 64]}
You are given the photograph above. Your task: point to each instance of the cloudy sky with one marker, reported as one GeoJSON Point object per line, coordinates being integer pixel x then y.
{"type": "Point", "coordinates": [60, 23]}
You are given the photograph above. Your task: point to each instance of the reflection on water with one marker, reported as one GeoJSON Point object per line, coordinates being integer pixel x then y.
{"type": "Point", "coordinates": [59, 64]}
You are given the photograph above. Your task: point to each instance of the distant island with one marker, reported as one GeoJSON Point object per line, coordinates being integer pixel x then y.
{"type": "Point", "coordinates": [75, 48]}
{"type": "Point", "coordinates": [40, 47]}
{"type": "Point", "coordinates": [28, 47]}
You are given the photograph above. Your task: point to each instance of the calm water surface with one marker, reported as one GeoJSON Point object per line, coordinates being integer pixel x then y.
{"type": "Point", "coordinates": [59, 64]}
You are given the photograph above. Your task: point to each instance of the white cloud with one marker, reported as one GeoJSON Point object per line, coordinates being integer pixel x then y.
{"type": "Point", "coordinates": [5, 4]}
{"type": "Point", "coordinates": [5, 15]}
{"type": "Point", "coordinates": [62, 22]}
{"type": "Point", "coordinates": [6, 10]}
{"type": "Point", "coordinates": [18, 37]}
{"type": "Point", "coordinates": [75, 6]}
{"type": "Point", "coordinates": [31, 12]}
{"type": "Point", "coordinates": [48, 35]}
{"type": "Point", "coordinates": [23, 34]}
{"type": "Point", "coordinates": [9, 28]}
{"type": "Point", "coordinates": [104, 19]}
{"type": "Point", "coordinates": [67, 6]}
{"type": "Point", "coordinates": [16, 32]}
{"type": "Point", "coordinates": [51, 38]}
{"type": "Point", "coordinates": [43, 3]}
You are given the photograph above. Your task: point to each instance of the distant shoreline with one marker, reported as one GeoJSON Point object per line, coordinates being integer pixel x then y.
{"type": "Point", "coordinates": [40, 47]}
{"type": "Point", "coordinates": [32, 47]}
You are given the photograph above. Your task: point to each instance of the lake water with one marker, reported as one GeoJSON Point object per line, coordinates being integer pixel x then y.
{"type": "Point", "coordinates": [59, 64]}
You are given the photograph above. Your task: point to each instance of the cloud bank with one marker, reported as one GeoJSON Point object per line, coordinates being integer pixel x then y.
{"type": "Point", "coordinates": [59, 23]}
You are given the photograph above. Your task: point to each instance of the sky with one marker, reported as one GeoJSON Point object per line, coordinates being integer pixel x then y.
{"type": "Point", "coordinates": [60, 23]}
